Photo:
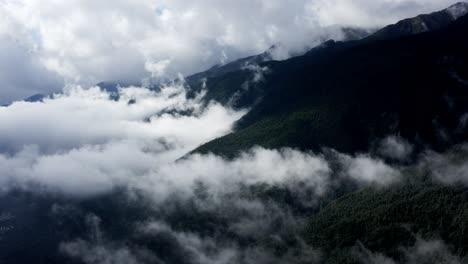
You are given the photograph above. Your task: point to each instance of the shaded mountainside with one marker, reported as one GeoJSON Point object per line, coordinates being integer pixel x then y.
{"type": "Point", "coordinates": [423, 23]}
{"type": "Point", "coordinates": [344, 95]}
{"type": "Point", "coordinates": [387, 220]}
{"type": "Point", "coordinates": [236, 65]}
{"type": "Point", "coordinates": [223, 81]}
{"type": "Point", "coordinates": [403, 80]}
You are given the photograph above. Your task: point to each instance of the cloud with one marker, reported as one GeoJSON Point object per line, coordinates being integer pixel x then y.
{"type": "Point", "coordinates": [423, 251]}
{"type": "Point", "coordinates": [88, 116]}
{"type": "Point", "coordinates": [87, 42]}
{"type": "Point", "coordinates": [258, 72]}
{"type": "Point", "coordinates": [157, 69]}
{"type": "Point", "coordinates": [22, 74]}
{"type": "Point", "coordinates": [5, 226]}
{"type": "Point", "coordinates": [221, 237]}
{"type": "Point", "coordinates": [98, 250]}
{"type": "Point", "coordinates": [431, 251]}
{"type": "Point", "coordinates": [372, 13]}
{"type": "Point", "coordinates": [86, 142]}
{"type": "Point", "coordinates": [367, 170]}
{"type": "Point", "coordinates": [200, 209]}
{"type": "Point", "coordinates": [91, 170]}
{"type": "Point", "coordinates": [97, 254]}
{"type": "Point", "coordinates": [450, 167]}
{"type": "Point", "coordinates": [209, 250]}
{"type": "Point", "coordinates": [119, 149]}
{"type": "Point", "coordinates": [396, 148]}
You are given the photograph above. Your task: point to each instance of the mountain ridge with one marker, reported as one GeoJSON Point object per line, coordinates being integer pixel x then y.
{"type": "Point", "coordinates": [423, 23]}
{"type": "Point", "coordinates": [337, 62]}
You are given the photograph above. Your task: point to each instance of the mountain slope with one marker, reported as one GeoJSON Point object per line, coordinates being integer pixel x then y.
{"type": "Point", "coordinates": [232, 84]}
{"type": "Point", "coordinates": [349, 33]}
{"type": "Point", "coordinates": [345, 95]}
{"type": "Point", "coordinates": [387, 220]}
{"type": "Point", "coordinates": [236, 65]}
{"type": "Point", "coordinates": [224, 83]}
{"type": "Point", "coordinates": [423, 23]}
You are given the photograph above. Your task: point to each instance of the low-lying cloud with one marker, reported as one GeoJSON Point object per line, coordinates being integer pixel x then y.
{"type": "Point", "coordinates": [84, 140]}
{"type": "Point", "coordinates": [450, 168]}
{"type": "Point", "coordinates": [89, 141]}
{"type": "Point", "coordinates": [85, 144]}
{"type": "Point", "coordinates": [88, 116]}
{"type": "Point", "coordinates": [423, 251]}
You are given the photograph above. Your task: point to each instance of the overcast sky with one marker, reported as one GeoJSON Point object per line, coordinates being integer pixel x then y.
{"type": "Point", "coordinates": [46, 43]}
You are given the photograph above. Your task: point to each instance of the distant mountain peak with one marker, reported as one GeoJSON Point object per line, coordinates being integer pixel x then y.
{"type": "Point", "coordinates": [35, 98]}
{"type": "Point", "coordinates": [273, 47]}
{"type": "Point", "coordinates": [458, 10]}
{"type": "Point", "coordinates": [423, 23]}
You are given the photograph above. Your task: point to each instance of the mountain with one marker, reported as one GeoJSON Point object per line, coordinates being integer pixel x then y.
{"type": "Point", "coordinates": [32, 99]}
{"type": "Point", "coordinates": [113, 86]}
{"type": "Point", "coordinates": [109, 86]}
{"type": "Point", "coordinates": [214, 76]}
{"type": "Point", "coordinates": [236, 65]}
{"type": "Point", "coordinates": [423, 23]}
{"type": "Point", "coordinates": [356, 33]}
{"type": "Point", "coordinates": [223, 81]}
{"type": "Point", "coordinates": [341, 95]}
{"type": "Point", "coordinates": [347, 95]}
{"type": "Point", "coordinates": [35, 98]}
{"type": "Point", "coordinates": [385, 220]}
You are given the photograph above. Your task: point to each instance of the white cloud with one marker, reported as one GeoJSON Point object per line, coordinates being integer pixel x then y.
{"type": "Point", "coordinates": [367, 170]}
{"type": "Point", "coordinates": [395, 147]}
{"type": "Point", "coordinates": [157, 69]}
{"type": "Point", "coordinates": [450, 167]}
{"type": "Point", "coordinates": [372, 13]}
{"type": "Point", "coordinates": [258, 166]}
{"type": "Point", "coordinates": [91, 170]}
{"type": "Point", "coordinates": [423, 251]}
{"type": "Point", "coordinates": [82, 142]}
{"type": "Point", "coordinates": [21, 72]}
{"type": "Point", "coordinates": [99, 250]}
{"type": "Point", "coordinates": [98, 254]}
{"type": "Point", "coordinates": [88, 116]}
{"type": "Point", "coordinates": [88, 41]}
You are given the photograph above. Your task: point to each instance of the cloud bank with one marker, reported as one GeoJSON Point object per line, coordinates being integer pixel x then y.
{"type": "Point", "coordinates": [87, 142]}
{"type": "Point", "coordinates": [423, 251]}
